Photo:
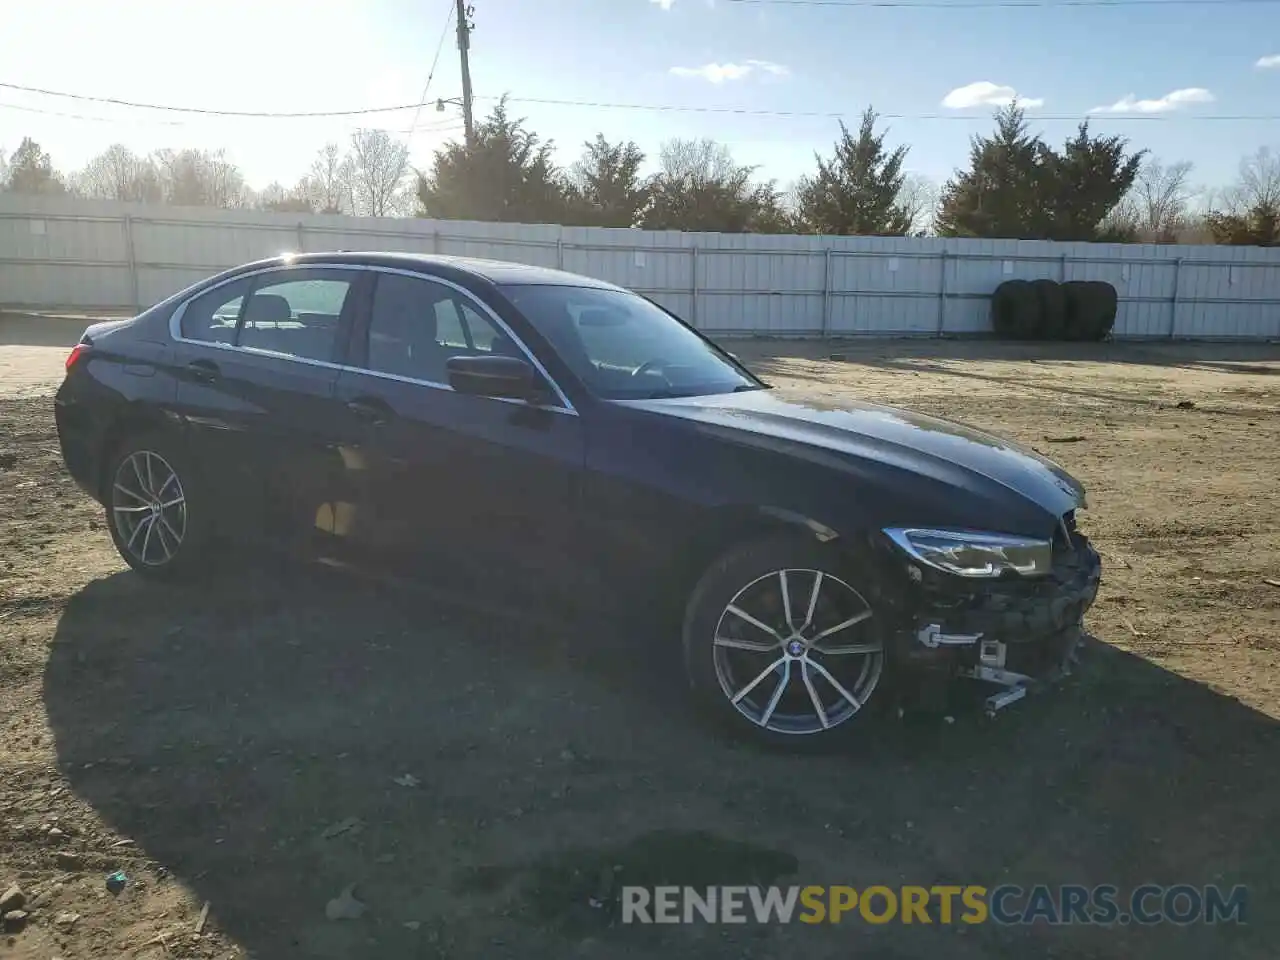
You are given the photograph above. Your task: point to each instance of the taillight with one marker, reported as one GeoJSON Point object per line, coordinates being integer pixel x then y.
{"type": "Point", "coordinates": [78, 351]}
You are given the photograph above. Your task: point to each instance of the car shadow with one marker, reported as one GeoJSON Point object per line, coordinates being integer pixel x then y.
{"type": "Point", "coordinates": [939, 357]}
{"type": "Point", "coordinates": [270, 736]}
{"type": "Point", "coordinates": [1255, 357]}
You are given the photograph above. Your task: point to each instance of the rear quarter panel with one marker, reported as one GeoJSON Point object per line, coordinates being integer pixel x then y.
{"type": "Point", "coordinates": [124, 385]}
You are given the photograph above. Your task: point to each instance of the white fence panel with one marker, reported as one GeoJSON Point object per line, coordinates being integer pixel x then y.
{"type": "Point", "coordinates": [59, 253]}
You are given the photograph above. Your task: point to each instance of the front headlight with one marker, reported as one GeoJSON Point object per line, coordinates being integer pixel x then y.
{"type": "Point", "coordinates": [970, 554]}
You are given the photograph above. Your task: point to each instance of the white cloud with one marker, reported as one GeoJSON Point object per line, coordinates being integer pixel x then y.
{"type": "Point", "coordinates": [720, 72]}
{"type": "Point", "coordinates": [664, 4]}
{"type": "Point", "coordinates": [1266, 63]}
{"type": "Point", "coordinates": [1170, 101]}
{"type": "Point", "coordinates": [984, 93]}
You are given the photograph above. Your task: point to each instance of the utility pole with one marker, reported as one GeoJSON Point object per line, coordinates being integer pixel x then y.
{"type": "Point", "coordinates": [464, 44]}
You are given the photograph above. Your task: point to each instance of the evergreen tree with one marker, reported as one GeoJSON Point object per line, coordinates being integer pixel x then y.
{"type": "Point", "coordinates": [1019, 187]}
{"type": "Point", "coordinates": [505, 174]}
{"type": "Point", "coordinates": [857, 191]}
{"type": "Point", "coordinates": [31, 171]}
{"type": "Point", "coordinates": [699, 187]}
{"type": "Point", "coordinates": [605, 187]}
{"type": "Point", "coordinates": [997, 195]}
{"type": "Point", "coordinates": [1085, 182]}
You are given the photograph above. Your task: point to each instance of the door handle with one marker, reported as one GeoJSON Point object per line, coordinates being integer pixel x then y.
{"type": "Point", "coordinates": [371, 409]}
{"type": "Point", "coordinates": [206, 371]}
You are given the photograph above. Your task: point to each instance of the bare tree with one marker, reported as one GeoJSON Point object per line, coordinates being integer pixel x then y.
{"type": "Point", "coordinates": [789, 197]}
{"type": "Point", "coordinates": [227, 187]}
{"type": "Point", "coordinates": [379, 167]}
{"type": "Point", "coordinates": [1160, 197]}
{"type": "Point", "coordinates": [201, 178]}
{"type": "Point", "coordinates": [1250, 209]}
{"type": "Point", "coordinates": [918, 199]}
{"type": "Point", "coordinates": [330, 180]}
{"type": "Point", "coordinates": [277, 198]}
{"type": "Point", "coordinates": [698, 162]}
{"type": "Point", "coordinates": [1259, 184]}
{"type": "Point", "coordinates": [120, 174]}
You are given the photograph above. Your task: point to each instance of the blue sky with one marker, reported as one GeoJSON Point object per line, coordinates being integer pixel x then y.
{"type": "Point", "coordinates": [940, 69]}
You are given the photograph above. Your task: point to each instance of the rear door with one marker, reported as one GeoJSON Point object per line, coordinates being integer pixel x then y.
{"type": "Point", "coordinates": [477, 491]}
{"type": "Point", "coordinates": [259, 360]}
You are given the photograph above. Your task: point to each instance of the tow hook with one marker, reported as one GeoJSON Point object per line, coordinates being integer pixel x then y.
{"type": "Point", "coordinates": [931, 636]}
{"type": "Point", "coordinates": [990, 669]}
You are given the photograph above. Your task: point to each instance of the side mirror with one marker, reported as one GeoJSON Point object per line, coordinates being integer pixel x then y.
{"type": "Point", "coordinates": [494, 376]}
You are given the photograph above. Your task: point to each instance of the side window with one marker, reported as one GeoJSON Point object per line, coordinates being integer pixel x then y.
{"type": "Point", "coordinates": [485, 337]}
{"type": "Point", "coordinates": [449, 329]}
{"type": "Point", "coordinates": [416, 325]}
{"type": "Point", "coordinates": [212, 316]}
{"type": "Point", "coordinates": [297, 316]}
{"type": "Point", "coordinates": [459, 325]}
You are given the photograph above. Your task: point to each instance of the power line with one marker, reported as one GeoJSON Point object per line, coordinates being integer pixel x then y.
{"type": "Point", "coordinates": [81, 116]}
{"type": "Point", "coordinates": [426, 87]}
{"type": "Point", "coordinates": [205, 111]}
{"type": "Point", "coordinates": [447, 125]}
{"type": "Point", "coordinates": [973, 4]}
{"type": "Point", "coordinates": [807, 114]}
{"type": "Point", "coordinates": [651, 107]}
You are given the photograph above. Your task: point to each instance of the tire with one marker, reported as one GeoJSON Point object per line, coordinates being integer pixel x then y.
{"type": "Point", "coordinates": [153, 509]}
{"type": "Point", "coordinates": [1013, 308]}
{"type": "Point", "coordinates": [728, 654]}
{"type": "Point", "coordinates": [1081, 307]}
{"type": "Point", "coordinates": [1053, 309]}
{"type": "Point", "coordinates": [1106, 304]}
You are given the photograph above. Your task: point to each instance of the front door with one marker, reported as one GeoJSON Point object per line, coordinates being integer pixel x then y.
{"type": "Point", "coordinates": [257, 368]}
{"type": "Point", "coordinates": [475, 491]}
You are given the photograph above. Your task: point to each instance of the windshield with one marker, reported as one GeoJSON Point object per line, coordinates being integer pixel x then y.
{"type": "Point", "coordinates": [623, 347]}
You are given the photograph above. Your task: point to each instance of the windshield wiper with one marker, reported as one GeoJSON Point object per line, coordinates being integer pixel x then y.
{"type": "Point", "coordinates": [670, 394]}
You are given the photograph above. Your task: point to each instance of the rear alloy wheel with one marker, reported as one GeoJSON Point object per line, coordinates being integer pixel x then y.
{"type": "Point", "coordinates": [793, 650]}
{"type": "Point", "coordinates": [147, 511]}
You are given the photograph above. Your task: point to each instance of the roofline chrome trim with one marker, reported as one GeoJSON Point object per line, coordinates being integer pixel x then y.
{"type": "Point", "coordinates": [175, 329]}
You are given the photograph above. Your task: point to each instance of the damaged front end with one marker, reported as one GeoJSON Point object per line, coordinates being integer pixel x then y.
{"type": "Point", "coordinates": [1009, 629]}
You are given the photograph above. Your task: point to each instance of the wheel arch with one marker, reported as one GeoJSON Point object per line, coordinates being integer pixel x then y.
{"type": "Point", "coordinates": [724, 527]}
{"type": "Point", "coordinates": [134, 420]}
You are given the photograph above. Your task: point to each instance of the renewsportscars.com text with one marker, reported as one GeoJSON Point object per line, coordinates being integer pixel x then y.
{"type": "Point", "coordinates": [1007, 904]}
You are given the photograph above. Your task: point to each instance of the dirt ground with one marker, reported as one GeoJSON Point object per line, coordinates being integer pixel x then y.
{"type": "Point", "coordinates": [241, 747]}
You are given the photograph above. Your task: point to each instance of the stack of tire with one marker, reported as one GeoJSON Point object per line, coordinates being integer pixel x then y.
{"type": "Point", "coordinates": [1048, 310]}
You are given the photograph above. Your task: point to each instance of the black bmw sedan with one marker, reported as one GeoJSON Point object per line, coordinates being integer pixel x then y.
{"type": "Point", "coordinates": [550, 439]}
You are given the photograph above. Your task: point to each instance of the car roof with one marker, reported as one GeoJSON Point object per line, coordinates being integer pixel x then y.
{"type": "Point", "coordinates": [494, 271]}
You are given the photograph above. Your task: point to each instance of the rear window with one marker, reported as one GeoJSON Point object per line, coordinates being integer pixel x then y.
{"type": "Point", "coordinates": [212, 316]}
{"type": "Point", "coordinates": [296, 312]}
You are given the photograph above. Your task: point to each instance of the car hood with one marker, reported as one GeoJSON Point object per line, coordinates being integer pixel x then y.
{"type": "Point", "coordinates": [950, 452]}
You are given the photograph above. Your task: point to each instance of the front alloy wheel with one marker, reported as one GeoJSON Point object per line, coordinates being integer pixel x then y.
{"type": "Point", "coordinates": [785, 640]}
{"type": "Point", "coordinates": [818, 667]}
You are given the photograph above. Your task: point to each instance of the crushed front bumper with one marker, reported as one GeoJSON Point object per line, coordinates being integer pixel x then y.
{"type": "Point", "coordinates": [1015, 634]}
